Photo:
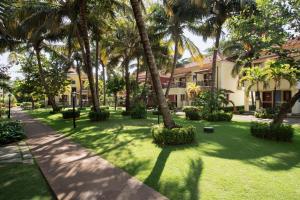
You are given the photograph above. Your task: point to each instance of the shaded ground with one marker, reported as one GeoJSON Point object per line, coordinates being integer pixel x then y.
{"type": "Point", "coordinates": [229, 164]}
{"type": "Point", "coordinates": [73, 172]}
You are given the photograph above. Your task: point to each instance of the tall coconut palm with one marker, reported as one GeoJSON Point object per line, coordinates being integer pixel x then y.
{"type": "Point", "coordinates": [171, 21]}
{"type": "Point", "coordinates": [137, 11]}
{"type": "Point", "coordinates": [218, 13]}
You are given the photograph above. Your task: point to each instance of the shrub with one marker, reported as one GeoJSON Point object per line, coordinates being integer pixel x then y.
{"type": "Point", "coordinates": [175, 136]}
{"type": "Point", "coordinates": [156, 112]}
{"type": "Point", "coordinates": [218, 116]}
{"type": "Point", "coordinates": [56, 110]}
{"type": "Point", "coordinates": [102, 115]}
{"type": "Point", "coordinates": [139, 111]}
{"type": "Point", "coordinates": [11, 131]}
{"type": "Point", "coordinates": [69, 114]}
{"type": "Point", "coordinates": [279, 132]}
{"type": "Point", "coordinates": [192, 113]}
{"type": "Point", "coordinates": [125, 113]}
{"type": "Point", "coordinates": [267, 113]}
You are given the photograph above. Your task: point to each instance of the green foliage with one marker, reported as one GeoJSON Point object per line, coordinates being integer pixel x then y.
{"type": "Point", "coordinates": [11, 131]}
{"type": "Point", "coordinates": [192, 112]}
{"type": "Point", "coordinates": [56, 110]}
{"type": "Point", "coordinates": [68, 114]}
{"type": "Point", "coordinates": [125, 113]}
{"type": "Point", "coordinates": [115, 84]}
{"type": "Point", "coordinates": [101, 115]}
{"type": "Point", "coordinates": [218, 116]}
{"type": "Point", "coordinates": [175, 136]}
{"type": "Point", "coordinates": [26, 105]}
{"type": "Point", "coordinates": [139, 111]}
{"type": "Point", "coordinates": [266, 113]}
{"type": "Point", "coordinates": [104, 107]}
{"type": "Point", "coordinates": [211, 101]}
{"type": "Point", "coordinates": [279, 132]}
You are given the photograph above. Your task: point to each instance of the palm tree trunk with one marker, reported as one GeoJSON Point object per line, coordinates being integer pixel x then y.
{"type": "Point", "coordinates": [215, 56]}
{"type": "Point", "coordinates": [78, 69]}
{"type": "Point", "coordinates": [274, 96]}
{"type": "Point", "coordinates": [97, 67]}
{"type": "Point", "coordinates": [104, 81]}
{"type": "Point", "coordinates": [88, 66]}
{"type": "Point", "coordinates": [173, 67]}
{"type": "Point", "coordinates": [168, 121]}
{"type": "Point", "coordinates": [127, 84]}
{"type": "Point", "coordinates": [51, 98]}
{"type": "Point", "coordinates": [285, 108]}
{"type": "Point", "coordinates": [137, 69]}
{"type": "Point", "coordinates": [116, 100]}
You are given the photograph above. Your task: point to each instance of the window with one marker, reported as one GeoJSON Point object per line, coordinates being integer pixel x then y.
{"type": "Point", "coordinates": [227, 97]}
{"type": "Point", "coordinates": [287, 95]}
{"type": "Point", "coordinates": [73, 82]}
{"type": "Point", "coordinates": [182, 97]}
{"type": "Point", "coordinates": [73, 89]}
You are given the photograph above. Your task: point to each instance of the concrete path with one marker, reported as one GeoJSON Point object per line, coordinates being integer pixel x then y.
{"type": "Point", "coordinates": [73, 172]}
{"type": "Point", "coordinates": [253, 118]}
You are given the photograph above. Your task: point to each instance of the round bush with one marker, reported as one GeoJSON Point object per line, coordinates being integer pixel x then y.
{"type": "Point", "coordinates": [11, 131]}
{"type": "Point", "coordinates": [139, 111]}
{"type": "Point", "coordinates": [279, 132]}
{"type": "Point", "coordinates": [218, 116]}
{"type": "Point", "coordinates": [102, 115]}
{"type": "Point", "coordinates": [192, 113]}
{"type": "Point", "coordinates": [175, 136]}
{"type": "Point", "coordinates": [69, 114]}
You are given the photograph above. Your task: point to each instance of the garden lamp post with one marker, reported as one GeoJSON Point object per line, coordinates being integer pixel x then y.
{"type": "Point", "coordinates": [9, 101]}
{"type": "Point", "coordinates": [74, 117]}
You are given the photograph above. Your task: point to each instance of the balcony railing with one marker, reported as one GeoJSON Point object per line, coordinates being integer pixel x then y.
{"type": "Point", "coordinates": [175, 85]}
{"type": "Point", "coordinates": [204, 83]}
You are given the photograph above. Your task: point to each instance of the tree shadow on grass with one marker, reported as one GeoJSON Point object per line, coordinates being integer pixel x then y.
{"type": "Point", "coordinates": [234, 141]}
{"type": "Point", "coordinates": [172, 188]}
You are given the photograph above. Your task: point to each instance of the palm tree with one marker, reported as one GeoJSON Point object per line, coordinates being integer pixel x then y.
{"type": "Point", "coordinates": [278, 72]}
{"type": "Point", "coordinates": [219, 12]}
{"type": "Point", "coordinates": [171, 21]}
{"type": "Point", "coordinates": [137, 11]}
{"type": "Point", "coordinates": [253, 77]}
{"type": "Point", "coordinates": [193, 90]}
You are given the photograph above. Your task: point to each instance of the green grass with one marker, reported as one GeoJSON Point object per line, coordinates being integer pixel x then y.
{"type": "Point", "coordinates": [22, 181]}
{"type": "Point", "coordinates": [229, 164]}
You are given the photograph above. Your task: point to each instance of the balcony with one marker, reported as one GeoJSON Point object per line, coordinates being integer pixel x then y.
{"type": "Point", "coordinates": [204, 83]}
{"type": "Point", "coordinates": [175, 85]}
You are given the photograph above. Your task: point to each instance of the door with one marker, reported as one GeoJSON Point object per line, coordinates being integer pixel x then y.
{"type": "Point", "coordinates": [267, 99]}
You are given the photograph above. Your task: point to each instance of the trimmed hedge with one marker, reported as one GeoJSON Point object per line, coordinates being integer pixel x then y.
{"type": "Point", "coordinates": [139, 111]}
{"type": "Point", "coordinates": [175, 136]}
{"type": "Point", "coordinates": [192, 113]}
{"type": "Point", "coordinates": [279, 132]}
{"type": "Point", "coordinates": [68, 114]}
{"type": "Point", "coordinates": [57, 110]}
{"type": "Point", "coordinates": [102, 115]}
{"type": "Point", "coordinates": [125, 113]}
{"type": "Point", "coordinates": [218, 116]}
{"type": "Point", "coordinates": [11, 131]}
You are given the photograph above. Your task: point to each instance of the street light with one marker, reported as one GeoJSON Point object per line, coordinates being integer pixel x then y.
{"type": "Point", "coordinates": [9, 99]}
{"type": "Point", "coordinates": [74, 117]}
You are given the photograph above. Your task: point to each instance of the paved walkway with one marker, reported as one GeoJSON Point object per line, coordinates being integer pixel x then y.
{"type": "Point", "coordinates": [253, 118]}
{"type": "Point", "coordinates": [73, 172]}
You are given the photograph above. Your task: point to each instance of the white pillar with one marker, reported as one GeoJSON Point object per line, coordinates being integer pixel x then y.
{"type": "Point", "coordinates": [246, 102]}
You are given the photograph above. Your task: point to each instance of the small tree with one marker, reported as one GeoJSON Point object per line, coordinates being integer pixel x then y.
{"type": "Point", "coordinates": [115, 85]}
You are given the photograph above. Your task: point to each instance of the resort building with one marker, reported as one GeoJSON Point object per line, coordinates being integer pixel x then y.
{"type": "Point", "coordinates": [200, 74]}
{"type": "Point", "coordinates": [284, 91]}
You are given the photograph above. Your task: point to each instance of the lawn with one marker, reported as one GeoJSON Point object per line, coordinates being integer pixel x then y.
{"type": "Point", "coordinates": [22, 181]}
{"type": "Point", "coordinates": [229, 164]}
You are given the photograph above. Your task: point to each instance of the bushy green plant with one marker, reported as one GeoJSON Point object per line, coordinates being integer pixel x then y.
{"type": "Point", "coordinates": [125, 113]}
{"type": "Point", "coordinates": [266, 113]}
{"type": "Point", "coordinates": [175, 136]}
{"type": "Point", "coordinates": [218, 116]}
{"type": "Point", "coordinates": [279, 132]}
{"type": "Point", "coordinates": [192, 112]}
{"type": "Point", "coordinates": [104, 107]}
{"type": "Point", "coordinates": [56, 110]}
{"type": "Point", "coordinates": [68, 114]}
{"type": "Point", "coordinates": [101, 115]}
{"type": "Point", "coordinates": [10, 131]}
{"type": "Point", "coordinates": [139, 111]}
{"type": "Point", "coordinates": [156, 112]}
